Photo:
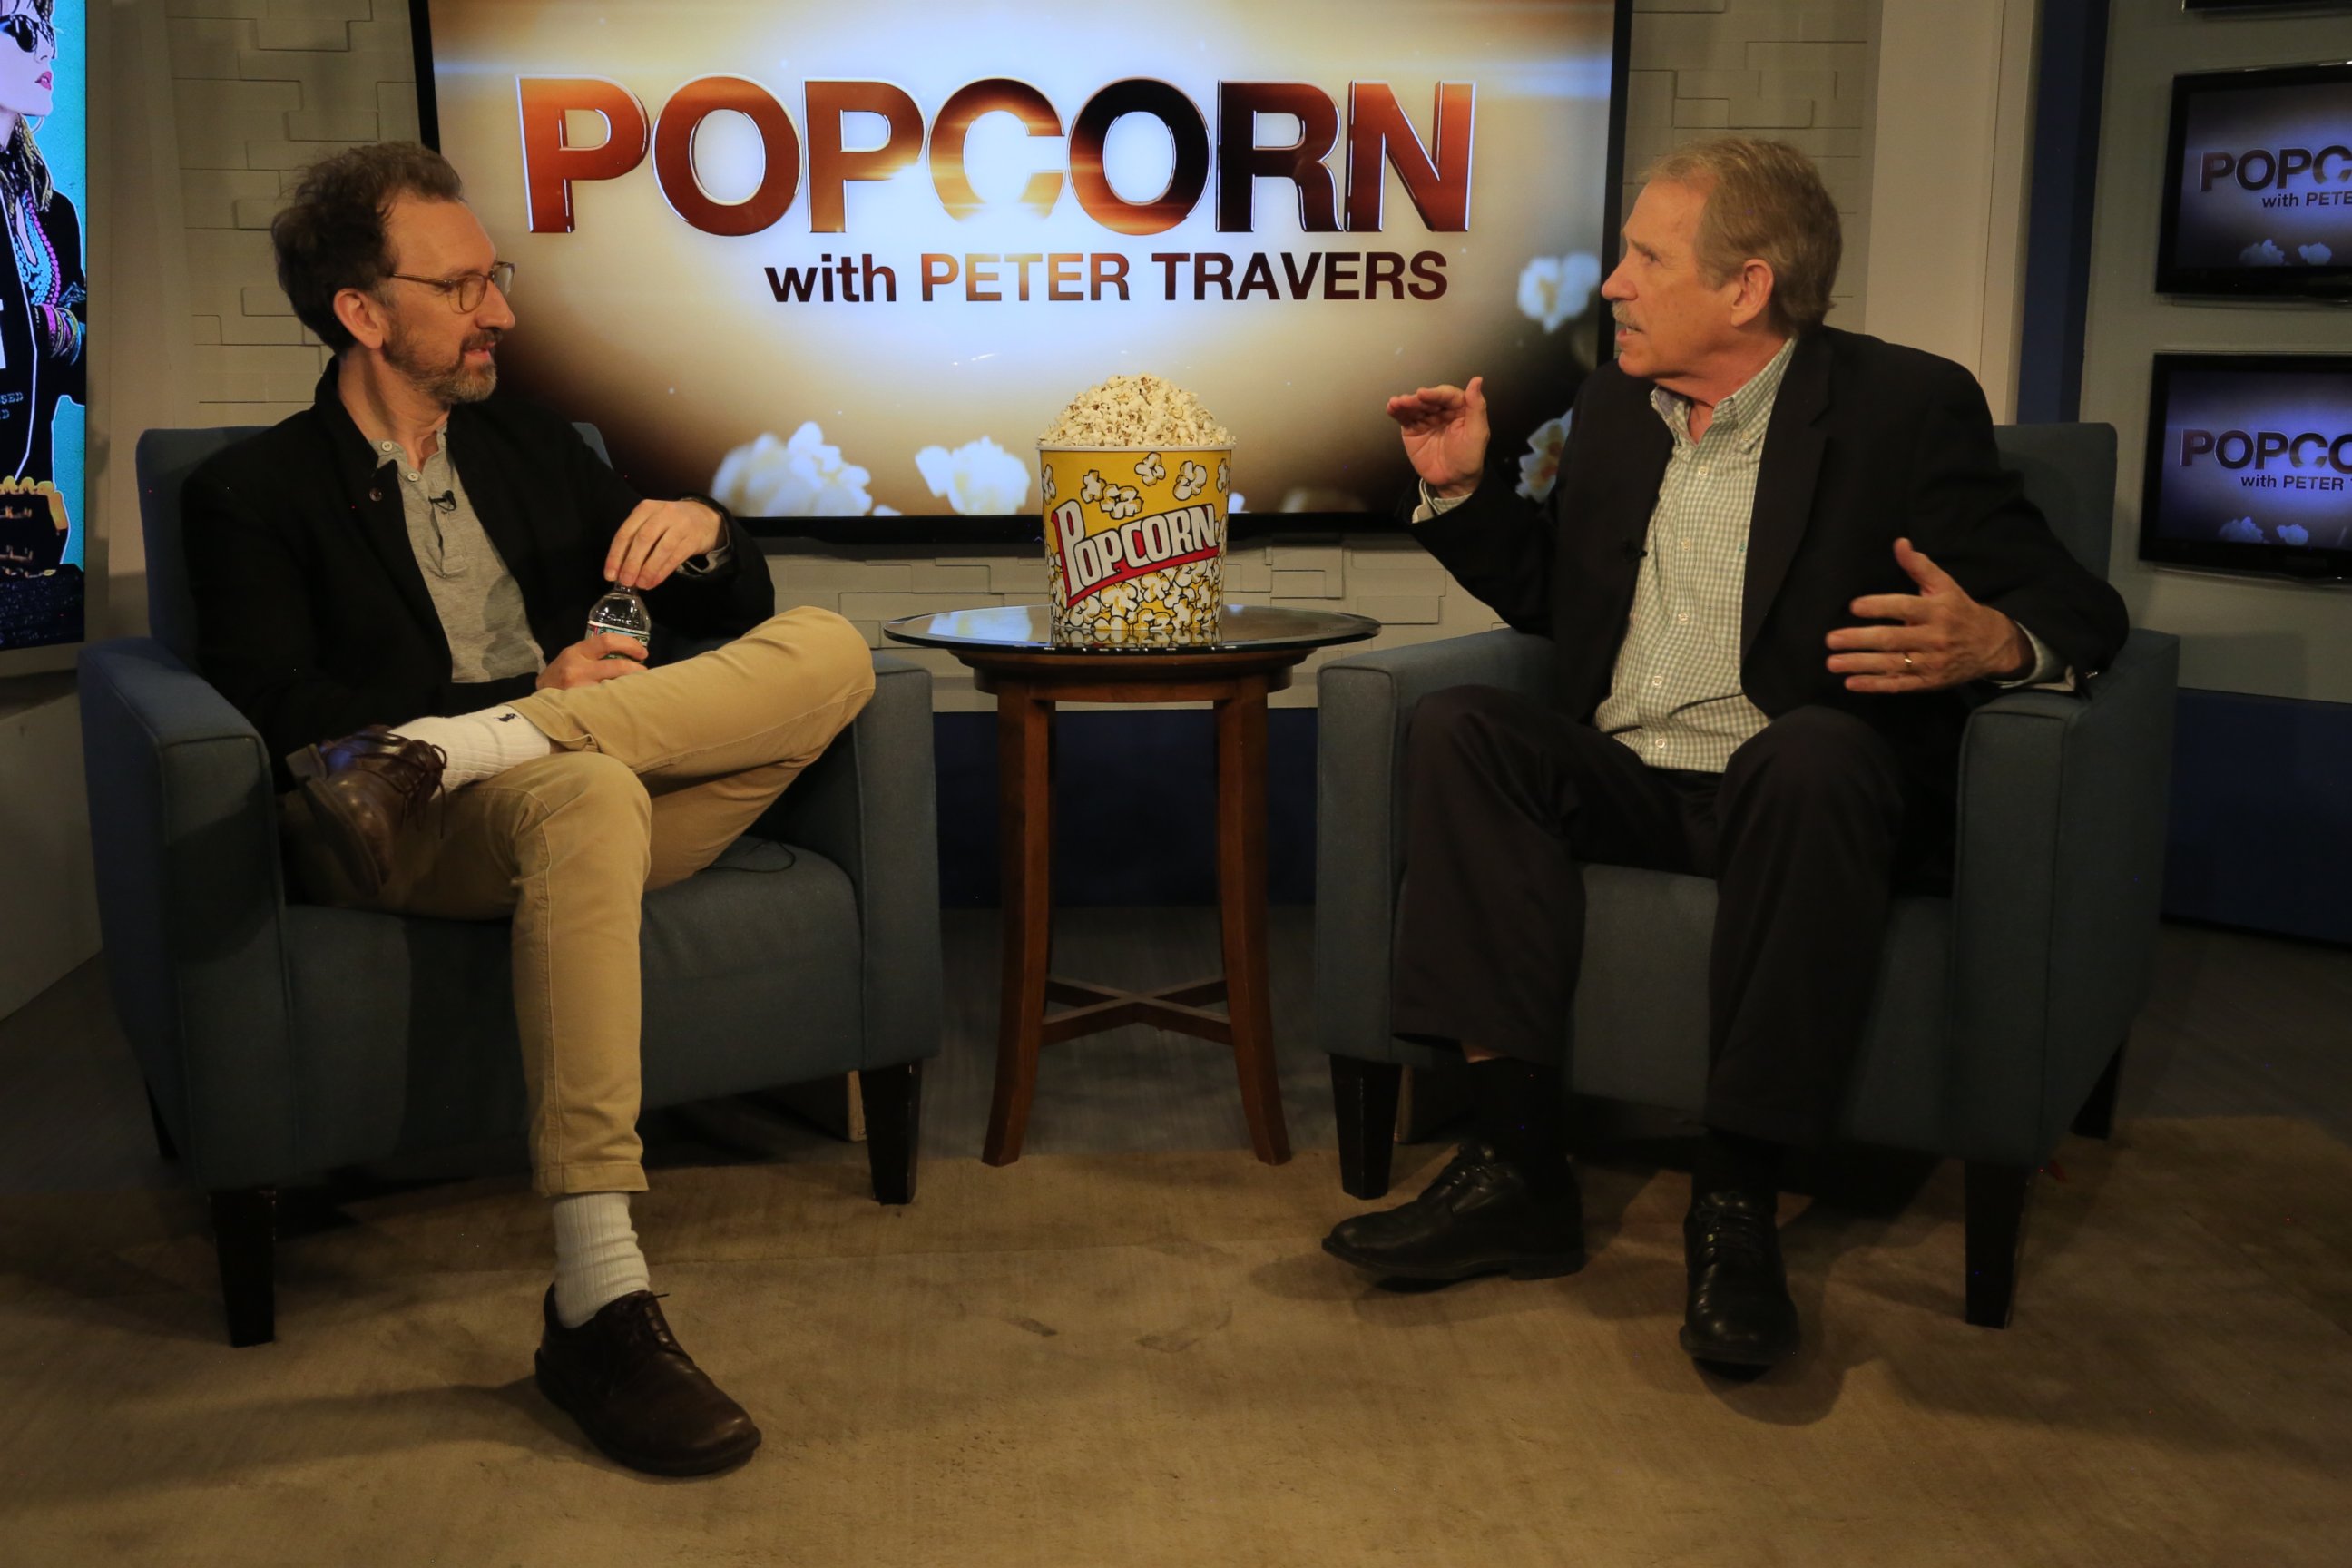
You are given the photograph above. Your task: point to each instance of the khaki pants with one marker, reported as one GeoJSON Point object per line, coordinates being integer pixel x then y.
{"type": "Point", "coordinates": [653, 775]}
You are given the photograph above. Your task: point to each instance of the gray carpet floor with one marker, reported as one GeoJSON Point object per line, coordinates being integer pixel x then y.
{"type": "Point", "coordinates": [1127, 1348]}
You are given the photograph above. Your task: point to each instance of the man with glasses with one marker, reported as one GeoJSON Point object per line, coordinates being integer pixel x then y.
{"type": "Point", "coordinates": [393, 585]}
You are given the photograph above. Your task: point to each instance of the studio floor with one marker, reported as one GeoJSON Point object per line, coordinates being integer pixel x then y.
{"type": "Point", "coordinates": [1127, 1347]}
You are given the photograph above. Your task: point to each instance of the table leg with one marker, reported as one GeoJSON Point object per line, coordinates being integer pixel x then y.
{"type": "Point", "coordinates": [1024, 833]}
{"type": "Point", "coordinates": [1241, 899]}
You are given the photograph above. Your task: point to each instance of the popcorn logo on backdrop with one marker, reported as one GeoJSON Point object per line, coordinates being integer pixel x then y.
{"type": "Point", "coordinates": [1366, 137]}
{"type": "Point", "coordinates": [1191, 479]}
{"type": "Point", "coordinates": [1090, 488]}
{"type": "Point", "coordinates": [1153, 469]}
{"type": "Point", "coordinates": [1045, 482]}
{"type": "Point", "coordinates": [1120, 503]}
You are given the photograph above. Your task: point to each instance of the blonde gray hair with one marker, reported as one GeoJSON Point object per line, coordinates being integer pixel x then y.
{"type": "Point", "coordinates": [1765, 202]}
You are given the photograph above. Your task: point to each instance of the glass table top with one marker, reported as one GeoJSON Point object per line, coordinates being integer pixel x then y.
{"type": "Point", "coordinates": [1024, 628]}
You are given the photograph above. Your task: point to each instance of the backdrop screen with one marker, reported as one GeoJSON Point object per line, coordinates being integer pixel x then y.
{"type": "Point", "coordinates": [44, 324]}
{"type": "Point", "coordinates": [2259, 193]}
{"type": "Point", "coordinates": [847, 262]}
{"type": "Point", "coordinates": [2249, 463]}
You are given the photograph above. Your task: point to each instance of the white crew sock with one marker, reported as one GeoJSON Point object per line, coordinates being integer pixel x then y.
{"type": "Point", "coordinates": [480, 745]}
{"type": "Point", "coordinates": [597, 1256]}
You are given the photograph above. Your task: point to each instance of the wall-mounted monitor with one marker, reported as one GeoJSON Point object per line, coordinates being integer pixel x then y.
{"type": "Point", "coordinates": [841, 265]}
{"type": "Point", "coordinates": [2258, 192]}
{"type": "Point", "coordinates": [2249, 463]}
{"type": "Point", "coordinates": [44, 334]}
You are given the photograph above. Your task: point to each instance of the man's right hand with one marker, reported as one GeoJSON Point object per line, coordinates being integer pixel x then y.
{"type": "Point", "coordinates": [1445, 435]}
{"type": "Point", "coordinates": [587, 662]}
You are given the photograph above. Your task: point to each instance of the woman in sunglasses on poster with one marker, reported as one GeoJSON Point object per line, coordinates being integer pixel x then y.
{"type": "Point", "coordinates": [44, 299]}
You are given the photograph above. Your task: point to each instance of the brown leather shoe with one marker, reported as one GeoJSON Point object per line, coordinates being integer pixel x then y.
{"type": "Point", "coordinates": [361, 791]}
{"type": "Point", "coordinates": [637, 1395]}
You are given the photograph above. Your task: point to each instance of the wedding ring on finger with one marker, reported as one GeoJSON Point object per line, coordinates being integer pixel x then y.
{"type": "Point", "coordinates": [1908, 667]}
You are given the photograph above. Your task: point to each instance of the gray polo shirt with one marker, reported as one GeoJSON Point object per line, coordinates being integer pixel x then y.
{"type": "Point", "coordinates": [478, 601]}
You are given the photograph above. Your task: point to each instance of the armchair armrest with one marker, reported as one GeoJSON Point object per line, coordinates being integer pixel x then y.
{"type": "Point", "coordinates": [191, 906]}
{"type": "Point", "coordinates": [869, 805]}
{"type": "Point", "coordinates": [1364, 703]}
{"type": "Point", "coordinates": [2057, 878]}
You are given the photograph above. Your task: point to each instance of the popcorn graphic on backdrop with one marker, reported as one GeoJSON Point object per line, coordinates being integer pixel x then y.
{"type": "Point", "coordinates": [803, 477]}
{"type": "Point", "coordinates": [1225, 477]}
{"type": "Point", "coordinates": [2243, 530]}
{"type": "Point", "coordinates": [2293, 534]}
{"type": "Point", "coordinates": [1120, 503]}
{"type": "Point", "coordinates": [1191, 479]}
{"type": "Point", "coordinates": [2314, 255]}
{"type": "Point", "coordinates": [979, 478]}
{"type": "Point", "coordinates": [1153, 469]}
{"type": "Point", "coordinates": [1557, 289]}
{"type": "Point", "coordinates": [2262, 255]}
{"type": "Point", "coordinates": [1090, 488]}
{"type": "Point", "coordinates": [1045, 482]}
{"type": "Point", "coordinates": [1539, 468]}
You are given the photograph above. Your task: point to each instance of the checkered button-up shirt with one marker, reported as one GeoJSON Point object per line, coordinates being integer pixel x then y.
{"type": "Point", "coordinates": [1675, 698]}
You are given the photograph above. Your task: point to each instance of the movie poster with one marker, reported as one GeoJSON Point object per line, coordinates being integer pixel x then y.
{"type": "Point", "coordinates": [852, 260]}
{"type": "Point", "coordinates": [44, 322]}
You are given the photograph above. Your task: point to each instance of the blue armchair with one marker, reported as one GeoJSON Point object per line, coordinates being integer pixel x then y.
{"type": "Point", "coordinates": [2001, 1010]}
{"type": "Point", "coordinates": [280, 1039]}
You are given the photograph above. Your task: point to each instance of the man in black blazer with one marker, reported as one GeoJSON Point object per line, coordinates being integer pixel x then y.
{"type": "Point", "coordinates": [394, 585]}
{"type": "Point", "coordinates": [1779, 565]}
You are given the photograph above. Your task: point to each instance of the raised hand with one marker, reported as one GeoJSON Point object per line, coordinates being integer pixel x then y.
{"type": "Point", "coordinates": [1939, 636]}
{"type": "Point", "coordinates": [1446, 434]}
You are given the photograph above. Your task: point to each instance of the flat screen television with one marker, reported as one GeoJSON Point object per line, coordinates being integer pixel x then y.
{"type": "Point", "coordinates": [2249, 463]}
{"type": "Point", "coordinates": [2258, 190]}
{"type": "Point", "coordinates": [43, 334]}
{"type": "Point", "coordinates": [842, 265]}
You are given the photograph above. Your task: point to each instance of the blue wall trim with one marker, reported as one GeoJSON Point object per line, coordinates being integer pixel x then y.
{"type": "Point", "coordinates": [2261, 815]}
{"type": "Point", "coordinates": [1134, 806]}
{"type": "Point", "coordinates": [2070, 83]}
{"type": "Point", "coordinates": [2261, 834]}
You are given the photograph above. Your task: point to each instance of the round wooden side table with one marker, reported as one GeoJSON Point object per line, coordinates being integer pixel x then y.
{"type": "Point", "coordinates": [1010, 653]}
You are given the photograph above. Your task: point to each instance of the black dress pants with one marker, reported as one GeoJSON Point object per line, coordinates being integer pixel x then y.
{"type": "Point", "coordinates": [1803, 834]}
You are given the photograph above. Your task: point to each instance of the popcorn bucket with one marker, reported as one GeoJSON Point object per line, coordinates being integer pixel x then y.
{"type": "Point", "coordinates": [1135, 542]}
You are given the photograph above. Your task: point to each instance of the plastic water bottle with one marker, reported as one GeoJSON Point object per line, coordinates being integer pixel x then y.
{"type": "Point", "coordinates": [623, 611]}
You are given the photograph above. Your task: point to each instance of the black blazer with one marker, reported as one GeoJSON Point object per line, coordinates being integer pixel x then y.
{"type": "Point", "coordinates": [40, 369]}
{"type": "Point", "coordinates": [312, 616]}
{"type": "Point", "coordinates": [1869, 442]}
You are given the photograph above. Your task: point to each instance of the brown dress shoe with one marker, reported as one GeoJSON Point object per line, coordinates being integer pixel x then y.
{"type": "Point", "coordinates": [637, 1395]}
{"type": "Point", "coordinates": [361, 791]}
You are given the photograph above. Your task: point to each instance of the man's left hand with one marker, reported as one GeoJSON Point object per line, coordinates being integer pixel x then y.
{"type": "Point", "coordinates": [657, 538]}
{"type": "Point", "coordinates": [1940, 637]}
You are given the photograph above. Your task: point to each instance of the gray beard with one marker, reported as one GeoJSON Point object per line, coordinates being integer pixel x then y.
{"type": "Point", "coordinates": [450, 384]}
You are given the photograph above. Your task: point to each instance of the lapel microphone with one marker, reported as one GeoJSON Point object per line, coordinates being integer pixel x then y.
{"type": "Point", "coordinates": [447, 501]}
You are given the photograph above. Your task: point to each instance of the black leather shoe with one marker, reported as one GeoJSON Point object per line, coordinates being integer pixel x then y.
{"type": "Point", "coordinates": [361, 791]}
{"type": "Point", "coordinates": [637, 1395]}
{"type": "Point", "coordinates": [1477, 1217]}
{"type": "Point", "coordinates": [1738, 1313]}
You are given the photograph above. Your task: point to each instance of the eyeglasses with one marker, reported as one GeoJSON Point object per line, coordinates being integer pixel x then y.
{"type": "Point", "coordinates": [29, 33]}
{"type": "Point", "coordinates": [465, 291]}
